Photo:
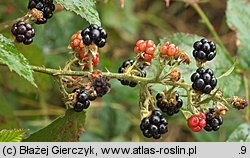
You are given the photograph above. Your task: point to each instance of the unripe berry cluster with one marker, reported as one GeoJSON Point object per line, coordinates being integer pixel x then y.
{"type": "Point", "coordinates": [23, 32]}
{"type": "Point", "coordinates": [168, 49]}
{"type": "Point", "coordinates": [145, 49]}
{"type": "Point", "coordinates": [204, 50]}
{"type": "Point", "coordinates": [76, 43]}
{"type": "Point", "coordinates": [213, 122]}
{"type": "Point", "coordinates": [46, 8]}
{"type": "Point", "coordinates": [203, 80]}
{"type": "Point", "coordinates": [78, 47]}
{"type": "Point", "coordinates": [197, 122]}
{"type": "Point", "coordinates": [123, 69]}
{"type": "Point", "coordinates": [170, 107]}
{"type": "Point", "coordinates": [94, 34]}
{"type": "Point", "coordinates": [154, 125]}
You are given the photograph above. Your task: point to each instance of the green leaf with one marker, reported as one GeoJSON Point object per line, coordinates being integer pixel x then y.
{"type": "Point", "coordinates": [15, 135]}
{"type": "Point", "coordinates": [186, 114]}
{"type": "Point", "coordinates": [10, 56]}
{"type": "Point", "coordinates": [63, 129]}
{"type": "Point", "coordinates": [230, 85]}
{"type": "Point", "coordinates": [240, 134]}
{"type": "Point", "coordinates": [7, 117]}
{"type": "Point", "coordinates": [238, 14]}
{"type": "Point", "coordinates": [114, 122]}
{"type": "Point", "coordinates": [84, 8]}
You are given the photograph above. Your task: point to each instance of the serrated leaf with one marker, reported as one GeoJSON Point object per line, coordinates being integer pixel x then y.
{"type": "Point", "coordinates": [238, 13]}
{"type": "Point", "coordinates": [240, 134]}
{"type": "Point", "coordinates": [15, 135]}
{"type": "Point", "coordinates": [84, 8]}
{"type": "Point", "coordinates": [220, 63]}
{"type": "Point", "coordinates": [10, 56]}
{"type": "Point", "coordinates": [64, 129]}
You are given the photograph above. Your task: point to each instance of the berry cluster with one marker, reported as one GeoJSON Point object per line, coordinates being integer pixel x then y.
{"type": "Point", "coordinates": [76, 43]}
{"type": "Point", "coordinates": [203, 80]}
{"type": "Point", "coordinates": [94, 34]}
{"type": "Point", "coordinates": [172, 107]}
{"type": "Point", "coordinates": [154, 125]}
{"type": "Point", "coordinates": [101, 86]}
{"type": "Point", "coordinates": [145, 49]}
{"type": "Point", "coordinates": [122, 69]}
{"type": "Point", "coordinates": [197, 122]}
{"type": "Point", "coordinates": [204, 50]}
{"type": "Point", "coordinates": [46, 7]}
{"type": "Point", "coordinates": [82, 100]}
{"type": "Point", "coordinates": [213, 121]}
{"type": "Point", "coordinates": [23, 32]}
{"type": "Point", "coordinates": [168, 49]}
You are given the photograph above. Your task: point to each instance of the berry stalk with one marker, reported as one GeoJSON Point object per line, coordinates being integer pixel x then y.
{"type": "Point", "coordinates": [246, 86]}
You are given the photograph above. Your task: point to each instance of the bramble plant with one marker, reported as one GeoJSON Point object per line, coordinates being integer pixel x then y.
{"type": "Point", "coordinates": [198, 95]}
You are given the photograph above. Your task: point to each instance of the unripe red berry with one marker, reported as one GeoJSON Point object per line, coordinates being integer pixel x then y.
{"type": "Point", "coordinates": [143, 47]}
{"type": "Point", "coordinates": [139, 42]}
{"type": "Point", "coordinates": [146, 49]}
{"type": "Point", "coordinates": [197, 122]}
{"type": "Point", "coordinates": [148, 57]}
{"type": "Point", "coordinates": [169, 49]}
{"type": "Point", "coordinates": [76, 43]}
{"type": "Point", "coordinates": [193, 121]}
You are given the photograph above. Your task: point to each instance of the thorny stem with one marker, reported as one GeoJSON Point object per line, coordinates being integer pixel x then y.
{"type": "Point", "coordinates": [206, 21]}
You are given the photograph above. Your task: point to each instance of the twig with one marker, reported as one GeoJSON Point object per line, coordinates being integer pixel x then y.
{"type": "Point", "coordinates": [246, 86]}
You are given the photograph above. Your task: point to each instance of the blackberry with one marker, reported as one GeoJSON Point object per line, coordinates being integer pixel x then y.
{"type": "Point", "coordinates": [101, 86]}
{"type": "Point", "coordinates": [204, 50]}
{"type": "Point", "coordinates": [94, 34]}
{"type": "Point", "coordinates": [213, 122]}
{"type": "Point", "coordinates": [23, 32]}
{"type": "Point", "coordinates": [154, 125]}
{"type": "Point", "coordinates": [82, 100]}
{"type": "Point", "coordinates": [46, 7]}
{"type": "Point", "coordinates": [203, 80]}
{"type": "Point", "coordinates": [122, 69]}
{"type": "Point", "coordinates": [170, 108]}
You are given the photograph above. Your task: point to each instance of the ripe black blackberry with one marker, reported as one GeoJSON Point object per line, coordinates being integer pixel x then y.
{"type": "Point", "coordinates": [170, 108]}
{"type": "Point", "coordinates": [204, 50]}
{"type": "Point", "coordinates": [213, 122]}
{"type": "Point", "coordinates": [94, 34]}
{"type": "Point", "coordinates": [154, 125]}
{"type": "Point", "coordinates": [82, 100]}
{"type": "Point", "coordinates": [101, 86]}
{"type": "Point", "coordinates": [122, 69]}
{"type": "Point", "coordinates": [46, 7]}
{"type": "Point", "coordinates": [23, 32]}
{"type": "Point", "coordinates": [203, 80]}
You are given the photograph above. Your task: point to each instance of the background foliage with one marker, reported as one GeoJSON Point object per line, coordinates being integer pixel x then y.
{"type": "Point", "coordinates": [115, 117]}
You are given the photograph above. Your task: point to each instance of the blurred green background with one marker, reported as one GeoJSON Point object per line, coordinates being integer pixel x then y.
{"type": "Point", "coordinates": [115, 117]}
